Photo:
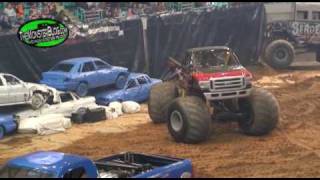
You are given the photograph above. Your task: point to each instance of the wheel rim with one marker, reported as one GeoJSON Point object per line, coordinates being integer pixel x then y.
{"type": "Point", "coordinates": [280, 55]}
{"type": "Point", "coordinates": [176, 121]}
{"type": "Point", "coordinates": [82, 89]}
{"type": "Point", "coordinates": [36, 101]}
{"type": "Point", "coordinates": [121, 81]}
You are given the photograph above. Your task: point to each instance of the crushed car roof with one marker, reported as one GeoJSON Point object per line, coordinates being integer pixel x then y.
{"type": "Point", "coordinates": [47, 161]}
{"type": "Point", "coordinates": [79, 60]}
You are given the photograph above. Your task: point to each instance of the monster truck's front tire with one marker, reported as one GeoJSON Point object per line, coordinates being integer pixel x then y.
{"type": "Point", "coordinates": [262, 113]}
{"type": "Point", "coordinates": [161, 95]}
{"type": "Point", "coordinates": [37, 101]}
{"type": "Point", "coordinates": [189, 120]}
{"type": "Point", "coordinates": [279, 54]}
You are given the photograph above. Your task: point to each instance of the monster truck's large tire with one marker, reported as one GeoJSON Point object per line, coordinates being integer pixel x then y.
{"type": "Point", "coordinates": [262, 113]}
{"type": "Point", "coordinates": [279, 54]}
{"type": "Point", "coordinates": [161, 95]}
{"type": "Point", "coordinates": [189, 120]}
{"type": "Point", "coordinates": [37, 101]}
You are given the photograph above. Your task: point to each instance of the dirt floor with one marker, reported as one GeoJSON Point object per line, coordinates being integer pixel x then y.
{"type": "Point", "coordinates": [292, 150]}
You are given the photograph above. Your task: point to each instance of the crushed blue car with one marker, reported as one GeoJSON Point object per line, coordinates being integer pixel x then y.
{"type": "Point", "coordinates": [7, 125]}
{"type": "Point", "coordinates": [48, 164]}
{"type": "Point", "coordinates": [137, 88]}
{"type": "Point", "coordinates": [82, 74]}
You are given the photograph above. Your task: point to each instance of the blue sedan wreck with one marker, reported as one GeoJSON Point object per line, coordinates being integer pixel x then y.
{"type": "Point", "coordinates": [137, 88]}
{"type": "Point", "coordinates": [7, 125]}
{"type": "Point", "coordinates": [82, 74]}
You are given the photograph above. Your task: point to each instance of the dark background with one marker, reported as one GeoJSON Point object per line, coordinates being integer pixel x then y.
{"type": "Point", "coordinates": [240, 28]}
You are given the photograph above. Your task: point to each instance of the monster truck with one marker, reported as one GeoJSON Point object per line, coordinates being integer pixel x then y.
{"type": "Point", "coordinates": [209, 84]}
{"type": "Point", "coordinates": [287, 36]}
{"type": "Point", "coordinates": [48, 164]}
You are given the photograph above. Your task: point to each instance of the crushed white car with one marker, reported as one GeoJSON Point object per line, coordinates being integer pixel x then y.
{"type": "Point", "coordinates": [44, 125]}
{"type": "Point", "coordinates": [66, 103]}
{"type": "Point", "coordinates": [14, 91]}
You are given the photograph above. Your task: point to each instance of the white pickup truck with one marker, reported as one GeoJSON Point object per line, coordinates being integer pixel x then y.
{"type": "Point", "coordinates": [14, 91]}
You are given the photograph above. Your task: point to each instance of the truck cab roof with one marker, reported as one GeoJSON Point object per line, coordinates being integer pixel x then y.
{"type": "Point", "coordinates": [51, 162]}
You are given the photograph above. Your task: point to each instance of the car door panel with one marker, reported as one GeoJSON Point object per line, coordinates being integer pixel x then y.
{"type": "Point", "coordinates": [89, 74]}
{"type": "Point", "coordinates": [104, 73]}
{"type": "Point", "coordinates": [4, 92]}
{"type": "Point", "coordinates": [18, 92]}
{"type": "Point", "coordinates": [132, 92]}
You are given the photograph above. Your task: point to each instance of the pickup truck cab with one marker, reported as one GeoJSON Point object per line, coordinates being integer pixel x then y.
{"type": "Point", "coordinates": [46, 164]}
{"type": "Point", "coordinates": [82, 74]}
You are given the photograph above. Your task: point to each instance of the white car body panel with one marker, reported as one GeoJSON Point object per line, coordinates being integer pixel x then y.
{"type": "Point", "coordinates": [44, 125]}
{"type": "Point", "coordinates": [21, 92]}
{"type": "Point", "coordinates": [59, 107]}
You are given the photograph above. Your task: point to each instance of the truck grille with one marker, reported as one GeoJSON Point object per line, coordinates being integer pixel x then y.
{"type": "Point", "coordinates": [225, 84]}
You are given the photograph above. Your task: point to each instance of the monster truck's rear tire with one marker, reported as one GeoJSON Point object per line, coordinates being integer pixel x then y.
{"type": "Point", "coordinates": [262, 113]}
{"type": "Point", "coordinates": [189, 120]}
{"type": "Point", "coordinates": [82, 89]}
{"type": "Point", "coordinates": [2, 132]}
{"type": "Point", "coordinates": [37, 101]}
{"type": "Point", "coordinates": [161, 95]}
{"type": "Point", "coordinates": [279, 54]}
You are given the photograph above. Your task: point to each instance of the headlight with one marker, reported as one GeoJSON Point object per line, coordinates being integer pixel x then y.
{"type": "Point", "coordinates": [204, 85]}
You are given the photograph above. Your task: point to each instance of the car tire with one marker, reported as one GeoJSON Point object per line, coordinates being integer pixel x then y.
{"type": "Point", "coordinates": [37, 101]}
{"type": "Point", "coordinates": [279, 54]}
{"type": "Point", "coordinates": [78, 117]}
{"type": "Point", "coordinates": [161, 95]}
{"type": "Point", "coordinates": [82, 89]}
{"type": "Point", "coordinates": [262, 110]}
{"type": "Point", "coordinates": [121, 81]}
{"type": "Point", "coordinates": [189, 120]}
{"type": "Point", "coordinates": [96, 114]}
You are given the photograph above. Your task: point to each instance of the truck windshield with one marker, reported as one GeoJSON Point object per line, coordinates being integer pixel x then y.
{"type": "Point", "coordinates": [20, 172]}
{"type": "Point", "coordinates": [62, 67]}
{"type": "Point", "coordinates": [217, 59]}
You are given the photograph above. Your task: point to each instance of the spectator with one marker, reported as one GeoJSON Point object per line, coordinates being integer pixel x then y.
{"type": "Point", "coordinates": [11, 13]}
{"type": "Point", "coordinates": [20, 12]}
{"type": "Point", "coordinates": [34, 14]}
{"type": "Point", "coordinates": [52, 9]}
{"type": "Point", "coordinates": [4, 21]}
{"type": "Point", "coordinates": [46, 12]}
{"type": "Point", "coordinates": [62, 17]}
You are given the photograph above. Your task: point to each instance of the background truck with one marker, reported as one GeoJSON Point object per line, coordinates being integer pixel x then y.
{"type": "Point", "coordinates": [292, 27]}
{"type": "Point", "coordinates": [210, 84]}
{"type": "Point", "coordinates": [46, 164]}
